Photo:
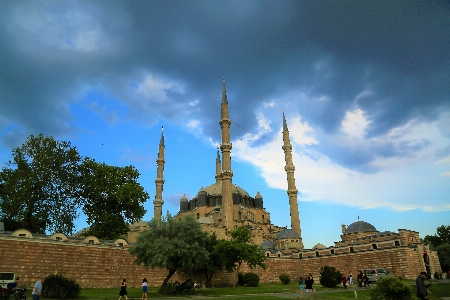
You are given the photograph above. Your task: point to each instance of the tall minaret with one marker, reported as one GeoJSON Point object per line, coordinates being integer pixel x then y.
{"type": "Point", "coordinates": [226, 174]}
{"type": "Point", "coordinates": [292, 190]}
{"type": "Point", "coordinates": [218, 168]}
{"type": "Point", "coordinates": [158, 202]}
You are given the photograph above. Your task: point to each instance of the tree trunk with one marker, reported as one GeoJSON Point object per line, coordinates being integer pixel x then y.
{"type": "Point", "coordinates": [171, 272]}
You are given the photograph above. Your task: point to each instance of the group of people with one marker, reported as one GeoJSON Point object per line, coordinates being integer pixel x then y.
{"type": "Point", "coordinates": [306, 284]}
{"type": "Point", "coordinates": [123, 289]}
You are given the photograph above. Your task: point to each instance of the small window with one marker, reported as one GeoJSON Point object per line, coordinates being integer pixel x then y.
{"type": "Point", "coordinates": [120, 244]}
{"type": "Point", "coordinates": [279, 255]}
{"type": "Point", "coordinates": [332, 251]}
{"type": "Point", "coordinates": [91, 241]}
{"type": "Point", "coordinates": [352, 250]}
{"type": "Point", "coordinates": [374, 246]}
{"type": "Point", "coordinates": [300, 255]}
{"type": "Point", "coordinates": [267, 254]}
{"type": "Point", "coordinates": [317, 254]}
{"type": "Point", "coordinates": [397, 243]}
{"type": "Point", "coordinates": [22, 235]}
{"type": "Point", "coordinates": [58, 238]}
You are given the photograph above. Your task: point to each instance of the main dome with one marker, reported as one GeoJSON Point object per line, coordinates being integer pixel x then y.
{"type": "Point", "coordinates": [360, 226]}
{"type": "Point", "coordinates": [216, 189]}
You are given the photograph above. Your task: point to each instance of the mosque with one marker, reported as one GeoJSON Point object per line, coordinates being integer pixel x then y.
{"type": "Point", "coordinates": [224, 206]}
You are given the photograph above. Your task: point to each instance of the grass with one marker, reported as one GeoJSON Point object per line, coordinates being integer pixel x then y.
{"type": "Point", "coordinates": [264, 291]}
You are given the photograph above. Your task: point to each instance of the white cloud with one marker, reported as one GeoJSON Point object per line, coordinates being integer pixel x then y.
{"type": "Point", "coordinates": [402, 183]}
{"type": "Point", "coordinates": [354, 123]}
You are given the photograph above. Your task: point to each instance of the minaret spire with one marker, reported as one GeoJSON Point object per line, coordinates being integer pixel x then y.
{"type": "Point", "coordinates": [218, 167]}
{"type": "Point", "coordinates": [292, 190]}
{"type": "Point", "coordinates": [158, 202]}
{"type": "Point", "coordinates": [226, 174]}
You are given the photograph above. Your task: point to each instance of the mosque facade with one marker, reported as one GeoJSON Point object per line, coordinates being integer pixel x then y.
{"type": "Point", "coordinates": [223, 206]}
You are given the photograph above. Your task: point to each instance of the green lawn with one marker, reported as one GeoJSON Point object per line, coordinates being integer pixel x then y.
{"type": "Point", "coordinates": [264, 291]}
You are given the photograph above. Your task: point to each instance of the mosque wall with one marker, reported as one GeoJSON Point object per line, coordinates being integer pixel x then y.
{"type": "Point", "coordinates": [103, 265]}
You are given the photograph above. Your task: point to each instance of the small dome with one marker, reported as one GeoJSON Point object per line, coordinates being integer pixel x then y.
{"type": "Point", "coordinates": [258, 196]}
{"type": "Point", "coordinates": [216, 189]}
{"type": "Point", "coordinates": [184, 198]}
{"type": "Point", "coordinates": [287, 234]}
{"type": "Point", "coordinates": [319, 246]}
{"type": "Point", "coordinates": [267, 245]}
{"type": "Point", "coordinates": [360, 226]}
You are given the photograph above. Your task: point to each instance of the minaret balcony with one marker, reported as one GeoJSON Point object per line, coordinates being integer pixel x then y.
{"type": "Point", "coordinates": [289, 168]}
{"type": "Point", "coordinates": [226, 146]}
{"type": "Point", "coordinates": [292, 192]}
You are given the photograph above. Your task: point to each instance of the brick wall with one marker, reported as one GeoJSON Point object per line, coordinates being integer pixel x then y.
{"type": "Point", "coordinates": [104, 266]}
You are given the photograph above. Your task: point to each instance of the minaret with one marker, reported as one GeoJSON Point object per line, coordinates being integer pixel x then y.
{"type": "Point", "coordinates": [158, 202]}
{"type": "Point", "coordinates": [226, 174]}
{"type": "Point", "coordinates": [218, 168]}
{"type": "Point", "coordinates": [292, 190]}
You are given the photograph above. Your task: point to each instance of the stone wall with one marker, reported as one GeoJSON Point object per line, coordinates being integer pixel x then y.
{"type": "Point", "coordinates": [104, 265]}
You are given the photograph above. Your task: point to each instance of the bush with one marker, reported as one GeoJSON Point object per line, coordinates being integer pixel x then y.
{"type": "Point", "coordinates": [284, 278]}
{"type": "Point", "coordinates": [241, 278]}
{"type": "Point", "coordinates": [166, 289]}
{"type": "Point", "coordinates": [330, 277]}
{"type": "Point", "coordinates": [58, 287]}
{"type": "Point", "coordinates": [391, 288]}
{"type": "Point", "coordinates": [251, 279]}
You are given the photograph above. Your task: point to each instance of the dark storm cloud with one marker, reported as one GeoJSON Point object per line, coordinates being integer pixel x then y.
{"type": "Point", "coordinates": [394, 54]}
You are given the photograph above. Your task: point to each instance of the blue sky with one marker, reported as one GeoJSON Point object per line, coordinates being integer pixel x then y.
{"type": "Point", "coordinates": [364, 86]}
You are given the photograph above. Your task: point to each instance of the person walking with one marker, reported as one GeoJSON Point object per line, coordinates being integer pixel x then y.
{"type": "Point", "coordinates": [309, 284]}
{"type": "Point", "coordinates": [350, 278]}
{"type": "Point", "coordinates": [144, 288]}
{"type": "Point", "coordinates": [344, 281]}
{"type": "Point", "coordinates": [123, 290]}
{"type": "Point", "coordinates": [301, 283]}
{"type": "Point", "coordinates": [422, 292]}
{"type": "Point", "coordinates": [365, 279]}
{"type": "Point", "coordinates": [37, 290]}
{"type": "Point", "coordinates": [359, 278]}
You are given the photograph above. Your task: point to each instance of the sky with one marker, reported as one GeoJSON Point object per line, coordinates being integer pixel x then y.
{"type": "Point", "coordinates": [365, 88]}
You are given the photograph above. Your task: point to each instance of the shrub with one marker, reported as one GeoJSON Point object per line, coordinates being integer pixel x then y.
{"type": "Point", "coordinates": [241, 278]}
{"type": "Point", "coordinates": [284, 278]}
{"type": "Point", "coordinates": [251, 279]}
{"type": "Point", "coordinates": [58, 287]}
{"type": "Point", "coordinates": [330, 277]}
{"type": "Point", "coordinates": [391, 288]}
{"type": "Point", "coordinates": [166, 289]}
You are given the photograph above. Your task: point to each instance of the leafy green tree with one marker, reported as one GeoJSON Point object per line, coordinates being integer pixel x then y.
{"type": "Point", "coordinates": [213, 262]}
{"type": "Point", "coordinates": [392, 288]}
{"type": "Point", "coordinates": [444, 256]}
{"type": "Point", "coordinates": [441, 237]}
{"type": "Point", "coordinates": [174, 244]}
{"type": "Point", "coordinates": [112, 198]}
{"type": "Point", "coordinates": [441, 243]}
{"type": "Point", "coordinates": [39, 187]}
{"type": "Point", "coordinates": [232, 253]}
{"type": "Point", "coordinates": [330, 277]}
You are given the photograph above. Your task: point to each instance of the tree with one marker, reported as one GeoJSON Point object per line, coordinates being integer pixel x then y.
{"type": "Point", "coordinates": [112, 198]}
{"type": "Point", "coordinates": [330, 277]}
{"type": "Point", "coordinates": [174, 244]}
{"type": "Point", "coordinates": [391, 288]}
{"type": "Point", "coordinates": [39, 186]}
{"type": "Point", "coordinates": [213, 262]}
{"type": "Point", "coordinates": [444, 256]}
{"type": "Point", "coordinates": [440, 238]}
{"type": "Point", "coordinates": [231, 253]}
{"type": "Point", "coordinates": [441, 243]}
